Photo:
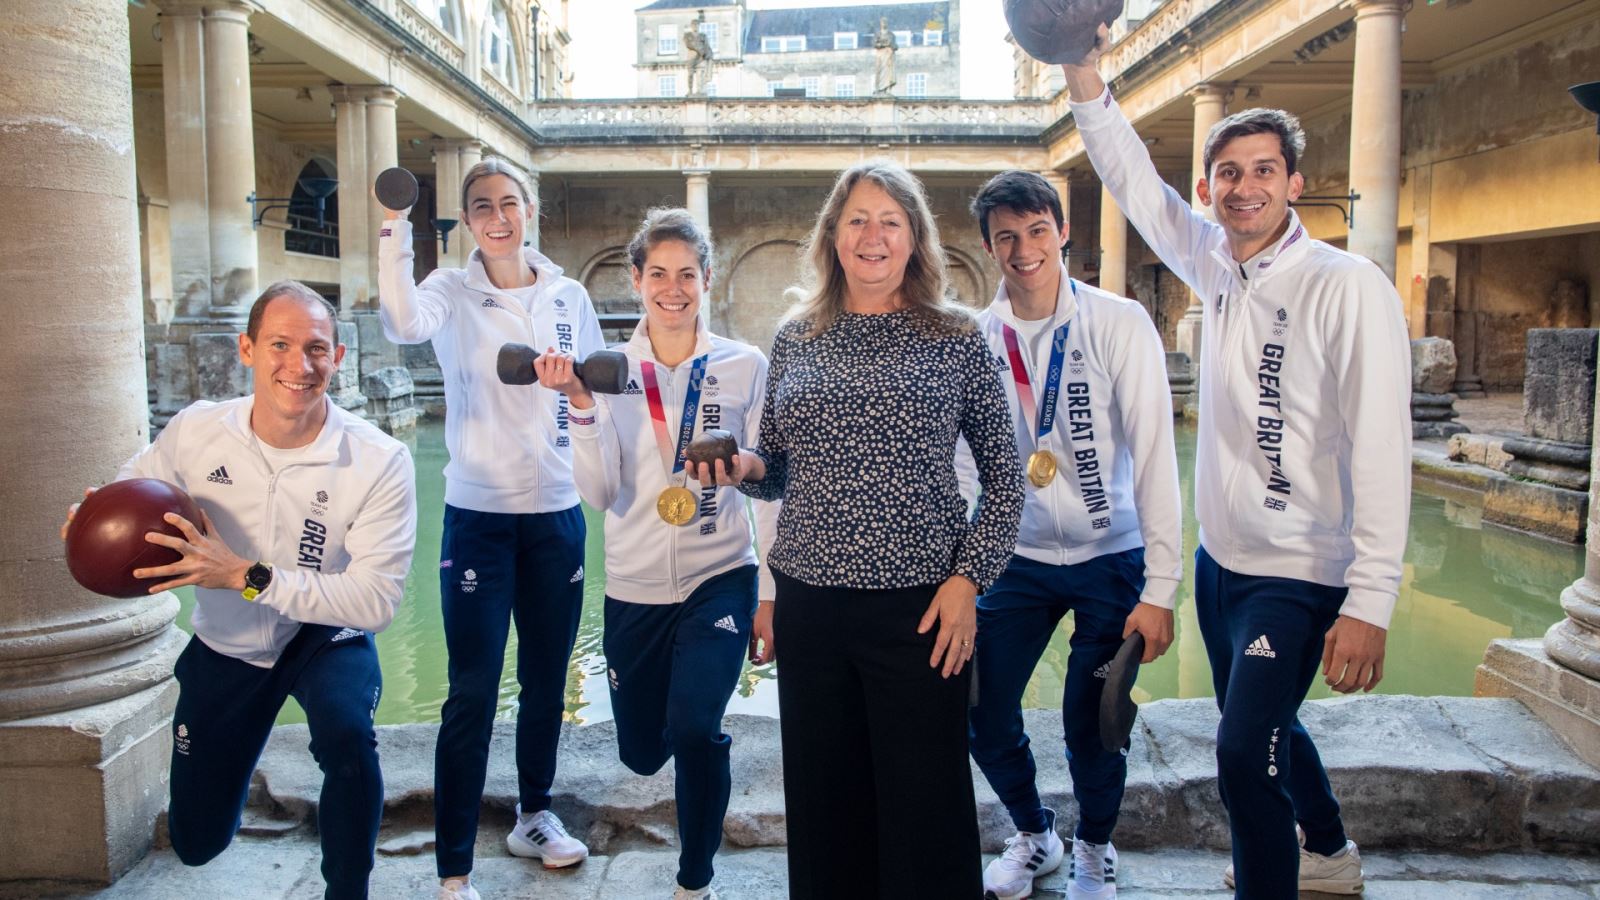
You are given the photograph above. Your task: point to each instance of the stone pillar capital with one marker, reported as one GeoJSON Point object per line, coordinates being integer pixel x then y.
{"type": "Point", "coordinates": [170, 9]}
{"type": "Point", "coordinates": [364, 93]}
{"type": "Point", "coordinates": [1210, 93]}
{"type": "Point", "coordinates": [701, 175]}
{"type": "Point", "coordinates": [240, 10]}
{"type": "Point", "coordinates": [1379, 7]}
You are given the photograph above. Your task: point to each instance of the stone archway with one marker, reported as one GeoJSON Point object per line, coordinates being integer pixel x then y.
{"type": "Point", "coordinates": [606, 277]}
{"type": "Point", "coordinates": [967, 281]}
{"type": "Point", "coordinates": [754, 301]}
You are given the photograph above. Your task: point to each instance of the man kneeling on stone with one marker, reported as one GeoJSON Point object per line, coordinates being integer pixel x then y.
{"type": "Point", "coordinates": [308, 520]}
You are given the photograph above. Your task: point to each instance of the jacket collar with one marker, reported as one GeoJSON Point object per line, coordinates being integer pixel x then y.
{"type": "Point", "coordinates": [1066, 302]}
{"type": "Point", "coordinates": [323, 449]}
{"type": "Point", "coordinates": [478, 277]}
{"type": "Point", "coordinates": [1282, 254]}
{"type": "Point", "coordinates": [639, 346]}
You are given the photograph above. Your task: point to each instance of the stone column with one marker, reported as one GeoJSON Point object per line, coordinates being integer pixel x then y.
{"type": "Point", "coordinates": [86, 692]}
{"type": "Point", "coordinates": [350, 127]}
{"type": "Point", "coordinates": [1113, 246]}
{"type": "Point", "coordinates": [531, 233]}
{"type": "Point", "coordinates": [383, 152]}
{"type": "Point", "coordinates": [469, 153]}
{"type": "Point", "coordinates": [230, 157]}
{"type": "Point", "coordinates": [189, 215]}
{"type": "Point", "coordinates": [1574, 641]}
{"type": "Point", "coordinates": [447, 198]}
{"type": "Point", "coordinates": [698, 195]}
{"type": "Point", "coordinates": [1210, 105]}
{"type": "Point", "coordinates": [1063, 187]}
{"type": "Point", "coordinates": [1375, 131]}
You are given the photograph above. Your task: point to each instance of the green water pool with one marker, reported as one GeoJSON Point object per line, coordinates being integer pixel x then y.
{"type": "Point", "coordinates": [1465, 584]}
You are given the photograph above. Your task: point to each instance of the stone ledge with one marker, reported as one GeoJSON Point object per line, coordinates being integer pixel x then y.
{"type": "Point", "coordinates": [1567, 701]}
{"type": "Point", "coordinates": [1411, 772]}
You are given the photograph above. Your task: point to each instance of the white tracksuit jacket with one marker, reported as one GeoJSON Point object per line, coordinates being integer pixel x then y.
{"type": "Point", "coordinates": [509, 445]}
{"type": "Point", "coordinates": [337, 524]}
{"type": "Point", "coordinates": [1303, 468]}
{"type": "Point", "coordinates": [619, 469]}
{"type": "Point", "coordinates": [1117, 487]}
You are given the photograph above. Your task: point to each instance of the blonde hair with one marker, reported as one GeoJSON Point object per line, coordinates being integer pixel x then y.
{"type": "Point", "coordinates": [494, 165]}
{"type": "Point", "coordinates": [926, 286]}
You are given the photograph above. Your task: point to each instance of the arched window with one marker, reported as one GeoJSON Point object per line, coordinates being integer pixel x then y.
{"type": "Point", "coordinates": [442, 14]}
{"type": "Point", "coordinates": [498, 56]}
{"type": "Point", "coordinates": [305, 234]}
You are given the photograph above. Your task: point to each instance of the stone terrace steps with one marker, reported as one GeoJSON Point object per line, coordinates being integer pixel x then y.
{"type": "Point", "coordinates": [1428, 773]}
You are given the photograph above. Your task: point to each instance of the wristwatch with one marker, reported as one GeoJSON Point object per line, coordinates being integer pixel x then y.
{"type": "Point", "coordinates": [256, 579]}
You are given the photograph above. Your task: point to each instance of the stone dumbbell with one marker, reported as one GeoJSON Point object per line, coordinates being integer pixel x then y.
{"type": "Point", "coordinates": [396, 189]}
{"type": "Point", "coordinates": [711, 445]}
{"type": "Point", "coordinates": [604, 372]}
{"type": "Point", "coordinates": [1059, 31]}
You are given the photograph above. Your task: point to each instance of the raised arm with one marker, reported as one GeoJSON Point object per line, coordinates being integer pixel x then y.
{"type": "Point", "coordinates": [411, 313]}
{"type": "Point", "coordinates": [1182, 237]}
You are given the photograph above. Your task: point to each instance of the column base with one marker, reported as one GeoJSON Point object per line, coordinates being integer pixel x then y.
{"type": "Point", "coordinates": [1567, 701]}
{"type": "Point", "coordinates": [83, 788]}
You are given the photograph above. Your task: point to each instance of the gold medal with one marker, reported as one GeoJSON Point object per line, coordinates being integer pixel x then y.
{"type": "Point", "coordinates": [676, 505]}
{"type": "Point", "coordinates": [1041, 467]}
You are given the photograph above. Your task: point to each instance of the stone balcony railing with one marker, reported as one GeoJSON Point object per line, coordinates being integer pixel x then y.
{"type": "Point", "coordinates": [811, 120]}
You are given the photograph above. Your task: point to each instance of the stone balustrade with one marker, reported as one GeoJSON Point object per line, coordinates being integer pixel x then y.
{"type": "Point", "coordinates": [966, 120]}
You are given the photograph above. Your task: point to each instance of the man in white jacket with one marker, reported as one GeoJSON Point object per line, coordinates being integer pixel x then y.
{"type": "Point", "coordinates": [1303, 472]}
{"type": "Point", "coordinates": [308, 524]}
{"type": "Point", "coordinates": [1101, 526]}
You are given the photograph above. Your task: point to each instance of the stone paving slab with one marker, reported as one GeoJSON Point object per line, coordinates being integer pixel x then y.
{"type": "Point", "coordinates": [286, 869]}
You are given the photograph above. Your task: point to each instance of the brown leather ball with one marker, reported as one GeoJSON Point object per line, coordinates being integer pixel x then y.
{"type": "Point", "coordinates": [105, 541]}
{"type": "Point", "coordinates": [711, 445]}
{"type": "Point", "coordinates": [1059, 31]}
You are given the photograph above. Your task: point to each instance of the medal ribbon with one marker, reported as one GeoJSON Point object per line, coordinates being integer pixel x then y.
{"type": "Point", "coordinates": [1045, 413]}
{"type": "Point", "coordinates": [672, 456]}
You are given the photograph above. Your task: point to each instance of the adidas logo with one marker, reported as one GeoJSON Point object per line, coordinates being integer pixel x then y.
{"type": "Point", "coordinates": [1001, 362]}
{"type": "Point", "coordinates": [1260, 647]}
{"type": "Point", "coordinates": [1103, 671]}
{"type": "Point", "coordinates": [632, 388]}
{"type": "Point", "coordinates": [220, 476]}
{"type": "Point", "coordinates": [488, 303]}
{"type": "Point", "coordinates": [726, 624]}
{"type": "Point", "coordinates": [346, 633]}
{"type": "Point", "coordinates": [576, 576]}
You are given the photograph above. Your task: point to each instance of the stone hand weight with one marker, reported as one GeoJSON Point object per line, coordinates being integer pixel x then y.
{"type": "Point", "coordinates": [1059, 31]}
{"type": "Point", "coordinates": [711, 445]}
{"type": "Point", "coordinates": [396, 189]}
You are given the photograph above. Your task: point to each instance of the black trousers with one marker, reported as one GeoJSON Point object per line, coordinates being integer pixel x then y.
{"type": "Point", "coordinates": [876, 781]}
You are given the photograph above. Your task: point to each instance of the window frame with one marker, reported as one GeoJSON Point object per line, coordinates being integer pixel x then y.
{"type": "Point", "coordinates": [665, 45]}
{"type": "Point", "coordinates": [855, 40]}
{"type": "Point", "coordinates": [916, 85]}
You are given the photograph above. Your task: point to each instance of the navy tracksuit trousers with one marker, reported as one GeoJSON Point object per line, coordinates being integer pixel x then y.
{"type": "Point", "coordinates": [224, 716]}
{"type": "Point", "coordinates": [1016, 620]}
{"type": "Point", "coordinates": [1265, 638]}
{"type": "Point", "coordinates": [672, 668]}
{"type": "Point", "coordinates": [496, 568]}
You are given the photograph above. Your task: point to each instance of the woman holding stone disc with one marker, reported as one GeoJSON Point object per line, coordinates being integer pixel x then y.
{"type": "Point", "coordinates": [681, 572]}
{"type": "Point", "coordinates": [512, 548]}
{"type": "Point", "coordinates": [876, 562]}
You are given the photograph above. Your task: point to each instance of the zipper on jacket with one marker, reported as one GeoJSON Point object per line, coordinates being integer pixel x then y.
{"type": "Point", "coordinates": [1232, 333]}
{"type": "Point", "coordinates": [672, 532]}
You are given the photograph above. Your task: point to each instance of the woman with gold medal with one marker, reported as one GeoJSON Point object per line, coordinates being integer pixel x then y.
{"type": "Point", "coordinates": [681, 571]}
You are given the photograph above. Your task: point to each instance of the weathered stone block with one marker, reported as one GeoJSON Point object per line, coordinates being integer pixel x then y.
{"type": "Point", "coordinates": [1433, 365]}
{"type": "Point", "coordinates": [1419, 399]}
{"type": "Point", "coordinates": [390, 403]}
{"type": "Point", "coordinates": [218, 373]}
{"type": "Point", "coordinates": [389, 383]}
{"type": "Point", "coordinates": [1422, 430]}
{"type": "Point", "coordinates": [376, 350]}
{"type": "Point", "coordinates": [1480, 449]}
{"type": "Point", "coordinates": [1537, 508]}
{"type": "Point", "coordinates": [1558, 389]}
{"type": "Point", "coordinates": [1565, 700]}
{"type": "Point", "coordinates": [171, 379]}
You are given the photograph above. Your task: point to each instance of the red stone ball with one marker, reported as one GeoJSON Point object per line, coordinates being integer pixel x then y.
{"type": "Point", "coordinates": [105, 541]}
{"type": "Point", "coordinates": [1059, 31]}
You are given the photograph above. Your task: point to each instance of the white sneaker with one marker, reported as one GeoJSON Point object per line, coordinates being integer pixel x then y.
{"type": "Point", "coordinates": [1027, 856]}
{"type": "Point", "coordinates": [542, 836]}
{"type": "Point", "coordinates": [705, 893]}
{"type": "Point", "coordinates": [1094, 871]}
{"type": "Point", "coordinates": [1337, 874]}
{"type": "Point", "coordinates": [458, 889]}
